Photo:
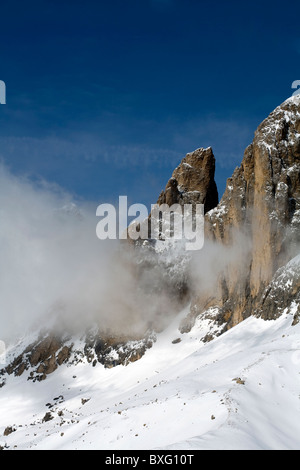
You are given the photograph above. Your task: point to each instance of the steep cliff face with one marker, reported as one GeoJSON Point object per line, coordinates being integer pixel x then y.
{"type": "Point", "coordinates": [259, 215]}
{"type": "Point", "coordinates": [282, 295]}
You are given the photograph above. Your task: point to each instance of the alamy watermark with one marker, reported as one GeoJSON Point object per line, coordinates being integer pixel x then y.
{"type": "Point", "coordinates": [2, 92]}
{"type": "Point", "coordinates": [2, 353]}
{"type": "Point", "coordinates": [177, 222]}
{"type": "Point", "coordinates": [296, 84]}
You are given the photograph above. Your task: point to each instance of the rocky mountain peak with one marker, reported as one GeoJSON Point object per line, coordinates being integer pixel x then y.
{"type": "Point", "coordinates": [193, 181]}
{"type": "Point", "coordinates": [258, 215]}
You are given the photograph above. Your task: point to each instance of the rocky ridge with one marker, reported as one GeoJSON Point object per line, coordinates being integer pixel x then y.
{"type": "Point", "coordinates": [48, 350]}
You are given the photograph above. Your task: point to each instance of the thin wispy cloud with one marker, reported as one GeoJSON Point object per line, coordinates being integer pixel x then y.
{"type": "Point", "coordinates": [50, 149]}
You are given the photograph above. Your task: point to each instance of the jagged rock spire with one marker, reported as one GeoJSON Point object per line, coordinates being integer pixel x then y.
{"type": "Point", "coordinates": [193, 181]}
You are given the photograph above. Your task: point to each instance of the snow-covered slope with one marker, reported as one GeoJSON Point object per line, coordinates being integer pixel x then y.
{"type": "Point", "coordinates": [238, 391]}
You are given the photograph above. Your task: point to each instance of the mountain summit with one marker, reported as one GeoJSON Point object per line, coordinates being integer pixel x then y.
{"type": "Point", "coordinates": [193, 181]}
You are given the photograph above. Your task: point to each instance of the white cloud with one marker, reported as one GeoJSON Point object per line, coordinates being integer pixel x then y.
{"type": "Point", "coordinates": [47, 252]}
{"type": "Point", "coordinates": [53, 265]}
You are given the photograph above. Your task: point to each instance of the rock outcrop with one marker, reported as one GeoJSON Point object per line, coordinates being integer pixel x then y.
{"type": "Point", "coordinates": [49, 351]}
{"type": "Point", "coordinates": [282, 295]}
{"type": "Point", "coordinates": [193, 181]}
{"type": "Point", "coordinates": [161, 262]}
{"type": "Point", "coordinates": [258, 216]}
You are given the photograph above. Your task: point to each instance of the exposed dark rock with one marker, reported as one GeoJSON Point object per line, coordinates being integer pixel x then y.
{"type": "Point", "coordinates": [84, 400]}
{"type": "Point", "coordinates": [8, 430]}
{"type": "Point", "coordinates": [48, 417]}
{"type": "Point", "coordinates": [98, 347]}
{"type": "Point", "coordinates": [63, 355]}
{"type": "Point", "coordinates": [42, 357]}
{"type": "Point", "coordinates": [238, 380]}
{"type": "Point", "coordinates": [176, 341]}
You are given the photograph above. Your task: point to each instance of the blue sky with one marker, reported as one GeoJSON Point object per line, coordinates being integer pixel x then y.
{"type": "Point", "coordinates": [104, 98]}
